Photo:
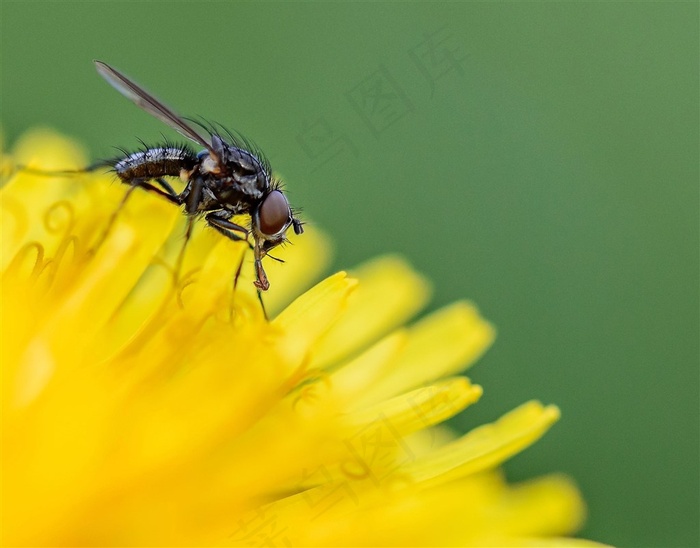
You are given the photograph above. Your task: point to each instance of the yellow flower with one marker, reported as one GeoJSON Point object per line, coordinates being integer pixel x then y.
{"type": "Point", "coordinates": [138, 413]}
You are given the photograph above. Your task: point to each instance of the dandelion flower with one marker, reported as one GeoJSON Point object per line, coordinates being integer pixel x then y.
{"type": "Point", "coordinates": [137, 412]}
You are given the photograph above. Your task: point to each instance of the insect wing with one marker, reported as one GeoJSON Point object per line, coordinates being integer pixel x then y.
{"type": "Point", "coordinates": [150, 104]}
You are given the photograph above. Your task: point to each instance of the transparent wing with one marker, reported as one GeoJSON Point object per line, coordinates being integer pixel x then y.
{"type": "Point", "coordinates": [150, 104]}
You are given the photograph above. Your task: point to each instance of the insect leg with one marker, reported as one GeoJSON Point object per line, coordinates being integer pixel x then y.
{"type": "Point", "coordinates": [63, 172]}
{"type": "Point", "coordinates": [194, 195]}
{"type": "Point", "coordinates": [169, 194]}
{"type": "Point", "coordinates": [217, 221]}
{"type": "Point", "coordinates": [133, 185]}
{"type": "Point", "coordinates": [192, 201]}
{"type": "Point", "coordinates": [166, 186]}
{"type": "Point", "coordinates": [261, 281]}
{"type": "Point", "coordinates": [238, 273]}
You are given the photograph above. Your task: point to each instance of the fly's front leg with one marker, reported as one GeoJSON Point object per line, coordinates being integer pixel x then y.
{"type": "Point", "coordinates": [217, 221]}
{"type": "Point", "coordinates": [261, 281]}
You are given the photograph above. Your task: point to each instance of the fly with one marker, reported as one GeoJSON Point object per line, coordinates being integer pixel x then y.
{"type": "Point", "coordinates": [221, 181]}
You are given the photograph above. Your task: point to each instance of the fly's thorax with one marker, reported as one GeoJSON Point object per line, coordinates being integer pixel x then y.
{"type": "Point", "coordinates": [242, 193]}
{"type": "Point", "coordinates": [235, 175]}
{"type": "Point", "coordinates": [240, 160]}
{"type": "Point", "coordinates": [247, 172]}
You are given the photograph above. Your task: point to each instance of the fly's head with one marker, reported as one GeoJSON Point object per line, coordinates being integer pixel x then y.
{"type": "Point", "coordinates": [270, 222]}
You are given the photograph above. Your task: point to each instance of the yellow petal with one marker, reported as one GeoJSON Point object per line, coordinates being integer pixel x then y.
{"type": "Point", "coordinates": [423, 407]}
{"type": "Point", "coordinates": [442, 344]}
{"type": "Point", "coordinates": [486, 446]}
{"type": "Point", "coordinates": [543, 507]}
{"type": "Point", "coordinates": [389, 293]}
{"type": "Point", "coordinates": [353, 378]}
{"type": "Point", "coordinates": [312, 314]}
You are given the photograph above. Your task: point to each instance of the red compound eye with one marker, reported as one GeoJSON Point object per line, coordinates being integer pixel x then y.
{"type": "Point", "coordinates": [274, 213]}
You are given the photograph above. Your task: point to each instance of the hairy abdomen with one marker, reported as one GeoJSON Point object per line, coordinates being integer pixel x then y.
{"type": "Point", "coordinates": [155, 162]}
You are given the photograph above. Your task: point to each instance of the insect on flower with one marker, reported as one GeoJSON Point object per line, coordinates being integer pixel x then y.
{"type": "Point", "coordinates": [223, 180]}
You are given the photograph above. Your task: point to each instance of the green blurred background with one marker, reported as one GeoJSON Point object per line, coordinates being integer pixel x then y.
{"type": "Point", "coordinates": [538, 158]}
